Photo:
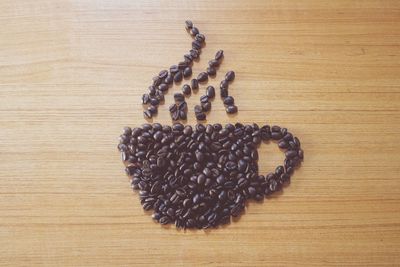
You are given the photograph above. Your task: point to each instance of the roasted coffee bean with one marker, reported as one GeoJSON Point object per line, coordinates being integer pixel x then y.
{"type": "Point", "coordinates": [188, 24]}
{"type": "Point", "coordinates": [196, 45]}
{"type": "Point", "coordinates": [194, 53]}
{"type": "Point", "coordinates": [186, 90]}
{"type": "Point", "coordinates": [276, 135]}
{"type": "Point", "coordinates": [229, 100]}
{"type": "Point", "coordinates": [156, 80]}
{"type": "Point", "coordinates": [211, 71]}
{"type": "Point", "coordinates": [210, 92]}
{"type": "Point", "coordinates": [230, 76]}
{"type": "Point", "coordinates": [194, 83]}
{"type": "Point", "coordinates": [179, 97]}
{"type": "Point", "coordinates": [154, 101]}
{"type": "Point", "coordinates": [231, 109]}
{"type": "Point", "coordinates": [163, 87]}
{"type": "Point", "coordinates": [182, 65]}
{"type": "Point", "coordinates": [198, 109]}
{"type": "Point", "coordinates": [224, 85]}
{"type": "Point", "coordinates": [204, 99]}
{"type": "Point", "coordinates": [200, 116]}
{"type": "Point", "coordinates": [187, 72]}
{"type": "Point", "coordinates": [152, 90]}
{"type": "Point", "coordinates": [188, 58]}
{"type": "Point", "coordinates": [175, 115]}
{"type": "Point", "coordinates": [182, 106]}
{"type": "Point", "coordinates": [172, 108]}
{"type": "Point", "coordinates": [202, 77]}
{"type": "Point", "coordinates": [173, 69]}
{"type": "Point", "coordinates": [152, 109]}
{"type": "Point", "coordinates": [178, 77]}
{"type": "Point", "coordinates": [223, 92]}
{"type": "Point", "coordinates": [163, 74]}
{"type": "Point", "coordinates": [147, 114]}
{"type": "Point", "coordinates": [206, 106]}
{"type": "Point", "coordinates": [213, 63]}
{"type": "Point", "coordinates": [200, 37]}
{"type": "Point", "coordinates": [194, 31]}
{"type": "Point", "coordinates": [219, 55]}
{"type": "Point", "coordinates": [145, 99]}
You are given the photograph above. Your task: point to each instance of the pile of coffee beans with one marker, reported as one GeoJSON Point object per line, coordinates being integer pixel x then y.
{"type": "Point", "coordinates": [200, 177]}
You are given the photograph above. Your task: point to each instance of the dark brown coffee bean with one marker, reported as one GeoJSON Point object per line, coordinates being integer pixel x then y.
{"type": "Point", "coordinates": [291, 154]}
{"type": "Point", "coordinates": [219, 55]}
{"type": "Point", "coordinates": [206, 106]}
{"type": "Point", "coordinates": [200, 116]}
{"type": "Point", "coordinates": [204, 99]}
{"type": "Point", "coordinates": [156, 80]}
{"type": "Point", "coordinates": [188, 24]}
{"type": "Point", "coordinates": [231, 109]}
{"type": "Point", "coordinates": [175, 115]}
{"type": "Point", "coordinates": [174, 69]}
{"type": "Point", "coordinates": [187, 72]}
{"type": "Point", "coordinates": [229, 100]}
{"type": "Point", "coordinates": [210, 92]}
{"type": "Point", "coordinates": [163, 74]}
{"type": "Point", "coordinates": [202, 77]}
{"type": "Point", "coordinates": [230, 76]}
{"type": "Point", "coordinates": [276, 135]}
{"type": "Point", "coordinates": [179, 97]}
{"type": "Point", "coordinates": [198, 109]}
{"type": "Point", "coordinates": [172, 108]}
{"type": "Point", "coordinates": [224, 85]}
{"type": "Point", "coordinates": [211, 71]}
{"type": "Point", "coordinates": [152, 109]}
{"type": "Point", "coordinates": [145, 99]}
{"type": "Point", "coordinates": [196, 45]}
{"type": "Point", "coordinates": [154, 101]}
{"type": "Point", "coordinates": [194, 31]}
{"type": "Point", "coordinates": [163, 87]}
{"type": "Point", "coordinates": [194, 53]}
{"type": "Point", "coordinates": [188, 58]}
{"type": "Point", "coordinates": [194, 84]}
{"type": "Point", "coordinates": [186, 89]}
{"type": "Point", "coordinates": [147, 114]}
{"type": "Point", "coordinates": [169, 79]}
{"type": "Point", "coordinates": [178, 77]}
{"type": "Point", "coordinates": [182, 114]}
{"type": "Point", "coordinates": [200, 37]}
{"type": "Point", "coordinates": [213, 63]}
{"type": "Point", "coordinates": [223, 93]}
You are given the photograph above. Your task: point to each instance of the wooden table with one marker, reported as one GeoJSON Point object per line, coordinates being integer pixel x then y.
{"type": "Point", "coordinates": [72, 74]}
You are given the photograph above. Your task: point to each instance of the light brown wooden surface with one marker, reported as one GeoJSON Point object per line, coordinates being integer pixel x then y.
{"type": "Point", "coordinates": [71, 76]}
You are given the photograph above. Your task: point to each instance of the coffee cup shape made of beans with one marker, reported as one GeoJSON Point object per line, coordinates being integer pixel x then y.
{"type": "Point", "coordinates": [202, 176]}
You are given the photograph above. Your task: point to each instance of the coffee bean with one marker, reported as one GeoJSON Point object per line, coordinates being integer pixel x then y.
{"type": "Point", "coordinates": [231, 109]}
{"type": "Point", "coordinates": [198, 109]}
{"type": "Point", "coordinates": [187, 72]}
{"type": "Point", "coordinates": [163, 74]}
{"type": "Point", "coordinates": [188, 58]}
{"type": "Point", "coordinates": [194, 53]}
{"type": "Point", "coordinates": [173, 69]}
{"type": "Point", "coordinates": [186, 89]}
{"type": "Point", "coordinates": [169, 79]}
{"type": "Point", "coordinates": [204, 99]}
{"type": "Point", "coordinates": [172, 108]}
{"type": "Point", "coordinates": [196, 45]}
{"type": "Point", "coordinates": [194, 31]}
{"type": "Point", "coordinates": [179, 97]}
{"type": "Point", "coordinates": [188, 24]}
{"type": "Point", "coordinates": [200, 37]}
{"type": "Point", "coordinates": [154, 101]}
{"type": "Point", "coordinates": [145, 99]}
{"type": "Point", "coordinates": [230, 76]}
{"type": "Point", "coordinates": [202, 77]}
{"type": "Point", "coordinates": [163, 87]}
{"type": "Point", "coordinates": [175, 115]}
{"type": "Point", "coordinates": [206, 106]}
{"type": "Point", "coordinates": [178, 77]}
{"type": "Point", "coordinates": [200, 116]}
{"type": "Point", "coordinates": [229, 100]}
{"type": "Point", "coordinates": [156, 80]}
{"type": "Point", "coordinates": [210, 92]}
{"type": "Point", "coordinates": [152, 109]}
{"type": "Point", "coordinates": [211, 71]}
{"type": "Point", "coordinates": [194, 84]}
{"type": "Point", "coordinates": [219, 55]}
{"type": "Point", "coordinates": [213, 63]}
{"type": "Point", "coordinates": [224, 85]}
{"type": "Point", "coordinates": [147, 114]}
{"type": "Point", "coordinates": [224, 92]}
{"type": "Point", "coordinates": [182, 65]}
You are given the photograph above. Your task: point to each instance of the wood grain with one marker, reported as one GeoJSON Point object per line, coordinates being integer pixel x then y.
{"type": "Point", "coordinates": [71, 76]}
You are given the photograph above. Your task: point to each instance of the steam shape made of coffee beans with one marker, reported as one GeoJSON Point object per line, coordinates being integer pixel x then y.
{"type": "Point", "coordinates": [202, 176]}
